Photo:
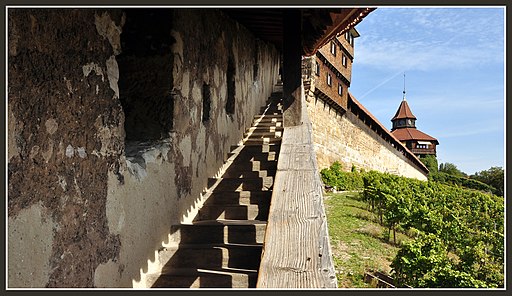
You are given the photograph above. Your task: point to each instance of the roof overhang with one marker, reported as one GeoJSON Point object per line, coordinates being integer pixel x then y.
{"type": "Point", "coordinates": [319, 25]}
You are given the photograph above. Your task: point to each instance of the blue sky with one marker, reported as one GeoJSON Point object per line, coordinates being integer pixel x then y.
{"type": "Point", "coordinates": [453, 60]}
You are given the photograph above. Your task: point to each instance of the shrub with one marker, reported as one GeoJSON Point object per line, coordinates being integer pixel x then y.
{"type": "Point", "coordinates": [335, 177]}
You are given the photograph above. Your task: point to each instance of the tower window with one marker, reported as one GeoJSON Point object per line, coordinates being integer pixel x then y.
{"type": "Point", "coordinates": [317, 69]}
{"type": "Point", "coordinates": [340, 89]}
{"type": "Point", "coordinates": [329, 79]}
{"type": "Point", "coordinates": [344, 60]}
{"type": "Point", "coordinates": [333, 48]}
{"type": "Point", "coordinates": [349, 37]}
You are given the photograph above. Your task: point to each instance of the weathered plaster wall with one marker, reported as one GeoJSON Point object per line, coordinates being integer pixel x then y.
{"type": "Point", "coordinates": [347, 139]}
{"type": "Point", "coordinates": [86, 208]}
{"type": "Point", "coordinates": [65, 135]}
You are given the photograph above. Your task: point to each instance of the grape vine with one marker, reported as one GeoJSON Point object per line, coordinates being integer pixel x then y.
{"type": "Point", "coordinates": [461, 231]}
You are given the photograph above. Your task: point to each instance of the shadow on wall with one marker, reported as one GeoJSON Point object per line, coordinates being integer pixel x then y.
{"type": "Point", "coordinates": [222, 245]}
{"type": "Point", "coordinates": [158, 88]}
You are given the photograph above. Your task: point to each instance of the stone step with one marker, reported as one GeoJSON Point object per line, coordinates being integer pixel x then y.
{"type": "Point", "coordinates": [259, 134]}
{"type": "Point", "coordinates": [264, 148]}
{"type": "Point", "coordinates": [241, 197]}
{"type": "Point", "coordinates": [203, 278]}
{"type": "Point", "coordinates": [233, 212]}
{"type": "Point", "coordinates": [257, 122]}
{"type": "Point", "coordinates": [219, 231]}
{"type": "Point", "coordinates": [251, 165]}
{"type": "Point", "coordinates": [248, 174]}
{"type": "Point", "coordinates": [244, 155]}
{"type": "Point", "coordinates": [241, 184]}
{"type": "Point", "coordinates": [206, 256]}
{"type": "Point", "coordinates": [272, 110]}
{"type": "Point", "coordinates": [265, 129]}
{"type": "Point", "coordinates": [277, 94]}
{"type": "Point", "coordinates": [268, 116]}
{"type": "Point", "coordinates": [260, 141]}
{"type": "Point", "coordinates": [268, 124]}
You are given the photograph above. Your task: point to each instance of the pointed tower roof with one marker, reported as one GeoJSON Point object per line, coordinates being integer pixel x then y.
{"type": "Point", "coordinates": [403, 111]}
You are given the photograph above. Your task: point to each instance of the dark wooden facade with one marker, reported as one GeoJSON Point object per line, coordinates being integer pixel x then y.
{"type": "Point", "coordinates": [404, 129]}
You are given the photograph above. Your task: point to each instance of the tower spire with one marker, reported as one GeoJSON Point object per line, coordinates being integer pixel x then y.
{"type": "Point", "coordinates": [404, 88]}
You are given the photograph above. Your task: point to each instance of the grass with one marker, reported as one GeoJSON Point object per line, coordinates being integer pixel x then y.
{"type": "Point", "coordinates": [358, 242]}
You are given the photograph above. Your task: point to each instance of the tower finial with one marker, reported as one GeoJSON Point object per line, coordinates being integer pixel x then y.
{"type": "Point", "coordinates": [404, 88]}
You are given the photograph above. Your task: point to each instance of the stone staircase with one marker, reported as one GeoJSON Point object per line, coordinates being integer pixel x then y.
{"type": "Point", "coordinates": [222, 247]}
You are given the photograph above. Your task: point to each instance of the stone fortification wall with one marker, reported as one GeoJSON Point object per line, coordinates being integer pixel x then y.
{"type": "Point", "coordinates": [345, 138]}
{"type": "Point", "coordinates": [114, 126]}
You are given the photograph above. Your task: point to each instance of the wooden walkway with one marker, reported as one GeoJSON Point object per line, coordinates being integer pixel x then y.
{"type": "Point", "coordinates": [296, 252]}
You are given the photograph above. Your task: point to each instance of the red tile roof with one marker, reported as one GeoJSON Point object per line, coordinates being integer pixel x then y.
{"type": "Point", "coordinates": [405, 134]}
{"type": "Point", "coordinates": [403, 111]}
{"type": "Point", "coordinates": [384, 130]}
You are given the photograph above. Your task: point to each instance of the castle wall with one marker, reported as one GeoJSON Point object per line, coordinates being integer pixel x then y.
{"type": "Point", "coordinates": [87, 206]}
{"type": "Point", "coordinates": [348, 140]}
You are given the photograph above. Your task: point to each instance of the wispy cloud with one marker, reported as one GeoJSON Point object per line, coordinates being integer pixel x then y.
{"type": "Point", "coordinates": [454, 62]}
{"type": "Point", "coordinates": [435, 39]}
{"type": "Point", "coordinates": [386, 80]}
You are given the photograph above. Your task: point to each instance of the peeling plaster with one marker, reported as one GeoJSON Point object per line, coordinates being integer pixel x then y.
{"type": "Point", "coordinates": [139, 155]}
{"type": "Point", "coordinates": [51, 126]}
{"type": "Point", "coordinates": [108, 136]}
{"type": "Point", "coordinates": [107, 28]}
{"type": "Point", "coordinates": [70, 151]}
{"type": "Point", "coordinates": [88, 68]}
{"type": "Point", "coordinates": [186, 149]}
{"type": "Point", "coordinates": [81, 152]}
{"type": "Point", "coordinates": [113, 75]}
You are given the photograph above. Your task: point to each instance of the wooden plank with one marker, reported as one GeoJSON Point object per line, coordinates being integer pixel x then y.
{"type": "Point", "coordinates": [296, 251]}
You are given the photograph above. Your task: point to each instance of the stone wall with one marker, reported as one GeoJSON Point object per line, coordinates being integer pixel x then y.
{"type": "Point", "coordinates": [345, 138]}
{"type": "Point", "coordinates": [91, 194]}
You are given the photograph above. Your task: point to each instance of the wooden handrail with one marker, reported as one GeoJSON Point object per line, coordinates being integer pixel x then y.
{"type": "Point", "coordinates": [296, 251]}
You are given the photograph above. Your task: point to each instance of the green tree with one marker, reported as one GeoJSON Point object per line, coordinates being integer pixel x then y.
{"type": "Point", "coordinates": [451, 169]}
{"type": "Point", "coordinates": [430, 161]}
{"type": "Point", "coordinates": [493, 177]}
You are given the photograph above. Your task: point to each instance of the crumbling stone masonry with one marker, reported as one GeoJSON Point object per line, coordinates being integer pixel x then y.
{"type": "Point", "coordinates": [108, 143]}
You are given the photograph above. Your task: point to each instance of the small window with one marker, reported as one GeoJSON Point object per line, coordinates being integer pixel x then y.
{"type": "Point", "coordinates": [317, 69]}
{"type": "Point", "coordinates": [329, 79]}
{"type": "Point", "coordinates": [207, 101]}
{"type": "Point", "coordinates": [350, 38]}
{"type": "Point", "coordinates": [344, 60]}
{"type": "Point", "coordinates": [340, 89]}
{"type": "Point", "coordinates": [231, 86]}
{"type": "Point", "coordinates": [333, 48]}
